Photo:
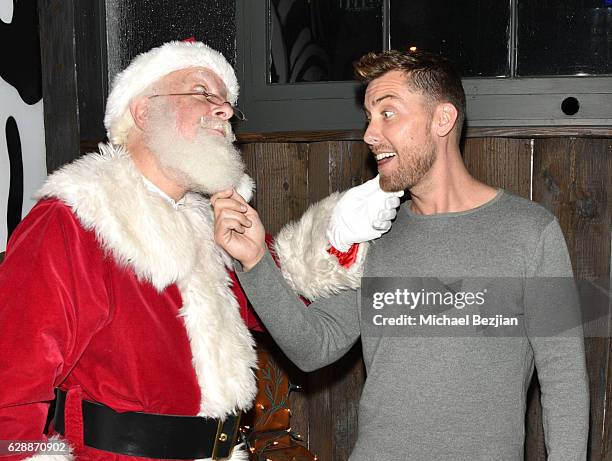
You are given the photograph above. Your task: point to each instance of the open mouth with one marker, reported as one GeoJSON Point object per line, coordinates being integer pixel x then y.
{"type": "Point", "coordinates": [384, 155]}
{"type": "Point", "coordinates": [383, 158]}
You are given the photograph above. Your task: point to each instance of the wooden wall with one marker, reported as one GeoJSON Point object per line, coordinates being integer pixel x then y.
{"type": "Point", "coordinates": [570, 176]}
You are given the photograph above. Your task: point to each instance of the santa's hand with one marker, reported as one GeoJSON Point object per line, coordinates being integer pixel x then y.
{"type": "Point", "coordinates": [238, 229]}
{"type": "Point", "coordinates": [363, 213]}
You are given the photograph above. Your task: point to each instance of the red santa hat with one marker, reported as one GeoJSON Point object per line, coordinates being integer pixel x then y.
{"type": "Point", "coordinates": [149, 67]}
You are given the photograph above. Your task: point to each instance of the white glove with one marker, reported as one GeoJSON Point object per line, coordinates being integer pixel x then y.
{"type": "Point", "coordinates": [363, 213]}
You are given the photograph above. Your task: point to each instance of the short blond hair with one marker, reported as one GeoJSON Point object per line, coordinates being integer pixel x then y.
{"type": "Point", "coordinates": [426, 73]}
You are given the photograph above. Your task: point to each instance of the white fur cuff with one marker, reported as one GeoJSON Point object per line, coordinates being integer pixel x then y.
{"type": "Point", "coordinates": [306, 265]}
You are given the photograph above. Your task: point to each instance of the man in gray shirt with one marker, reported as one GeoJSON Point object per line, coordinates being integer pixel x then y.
{"type": "Point", "coordinates": [428, 396]}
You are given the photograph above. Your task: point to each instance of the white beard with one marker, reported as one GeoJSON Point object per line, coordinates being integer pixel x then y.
{"type": "Point", "coordinates": [205, 164]}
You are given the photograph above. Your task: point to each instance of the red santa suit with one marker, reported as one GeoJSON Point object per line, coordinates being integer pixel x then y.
{"type": "Point", "coordinates": [113, 295]}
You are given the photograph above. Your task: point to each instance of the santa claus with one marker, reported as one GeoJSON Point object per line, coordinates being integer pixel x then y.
{"type": "Point", "coordinates": [114, 294]}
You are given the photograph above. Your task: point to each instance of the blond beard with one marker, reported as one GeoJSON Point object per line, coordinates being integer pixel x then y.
{"type": "Point", "coordinates": [206, 164]}
{"type": "Point", "coordinates": [413, 165]}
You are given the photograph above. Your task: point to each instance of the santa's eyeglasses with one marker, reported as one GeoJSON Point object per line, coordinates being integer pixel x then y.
{"type": "Point", "coordinates": [211, 98]}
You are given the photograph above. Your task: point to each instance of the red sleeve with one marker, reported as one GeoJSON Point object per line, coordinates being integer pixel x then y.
{"type": "Point", "coordinates": [246, 310]}
{"type": "Point", "coordinates": [48, 265]}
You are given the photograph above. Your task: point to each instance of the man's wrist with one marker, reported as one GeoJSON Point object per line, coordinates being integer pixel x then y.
{"type": "Point", "coordinates": [248, 265]}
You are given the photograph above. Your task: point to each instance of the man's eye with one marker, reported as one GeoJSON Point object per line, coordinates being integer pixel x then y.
{"type": "Point", "coordinates": [201, 90]}
{"type": "Point", "coordinates": [387, 114]}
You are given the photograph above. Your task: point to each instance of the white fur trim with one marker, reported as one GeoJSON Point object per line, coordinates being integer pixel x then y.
{"type": "Point", "coordinates": [163, 246]}
{"type": "Point", "coordinates": [306, 265]}
{"type": "Point", "coordinates": [222, 347]}
{"type": "Point", "coordinates": [42, 456]}
{"type": "Point", "coordinates": [149, 67]}
{"type": "Point", "coordinates": [246, 187]}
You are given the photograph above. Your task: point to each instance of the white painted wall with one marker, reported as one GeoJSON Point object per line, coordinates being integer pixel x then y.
{"type": "Point", "coordinates": [32, 134]}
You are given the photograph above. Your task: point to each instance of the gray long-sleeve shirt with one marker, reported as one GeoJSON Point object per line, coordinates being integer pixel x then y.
{"type": "Point", "coordinates": [444, 397]}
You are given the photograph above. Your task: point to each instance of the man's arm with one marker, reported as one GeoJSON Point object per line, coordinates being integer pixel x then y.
{"type": "Point", "coordinates": [312, 337]}
{"type": "Point", "coordinates": [555, 332]}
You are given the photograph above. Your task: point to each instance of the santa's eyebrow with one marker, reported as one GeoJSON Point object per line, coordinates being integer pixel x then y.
{"type": "Point", "coordinates": [199, 82]}
{"type": "Point", "coordinates": [198, 79]}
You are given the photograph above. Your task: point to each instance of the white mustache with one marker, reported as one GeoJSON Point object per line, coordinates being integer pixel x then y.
{"type": "Point", "coordinates": [214, 123]}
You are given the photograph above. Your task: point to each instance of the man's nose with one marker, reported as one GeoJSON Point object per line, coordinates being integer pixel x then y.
{"type": "Point", "coordinates": [224, 112]}
{"type": "Point", "coordinates": [372, 135]}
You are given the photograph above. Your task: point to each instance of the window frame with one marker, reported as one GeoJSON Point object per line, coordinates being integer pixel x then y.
{"type": "Point", "coordinates": [336, 106]}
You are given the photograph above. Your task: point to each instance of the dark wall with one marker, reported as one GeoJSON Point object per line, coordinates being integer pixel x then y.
{"type": "Point", "coordinates": [134, 27]}
{"type": "Point", "coordinates": [85, 44]}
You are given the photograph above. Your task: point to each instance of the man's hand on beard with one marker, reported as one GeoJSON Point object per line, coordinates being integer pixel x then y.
{"type": "Point", "coordinates": [238, 229]}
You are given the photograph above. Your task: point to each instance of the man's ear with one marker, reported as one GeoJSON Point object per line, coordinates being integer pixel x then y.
{"type": "Point", "coordinates": [444, 119]}
{"type": "Point", "coordinates": [139, 108]}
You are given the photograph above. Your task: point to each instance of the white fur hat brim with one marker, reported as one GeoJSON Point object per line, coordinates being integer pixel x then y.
{"type": "Point", "coordinates": [154, 64]}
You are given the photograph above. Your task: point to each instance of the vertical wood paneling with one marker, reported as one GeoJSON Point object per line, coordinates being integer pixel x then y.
{"type": "Point", "coordinates": [345, 394]}
{"type": "Point", "coordinates": [333, 394]}
{"type": "Point", "coordinates": [280, 173]}
{"type": "Point", "coordinates": [535, 449]}
{"type": "Point", "coordinates": [500, 162]}
{"type": "Point", "coordinates": [572, 179]}
{"type": "Point", "coordinates": [319, 183]}
{"type": "Point", "coordinates": [350, 164]}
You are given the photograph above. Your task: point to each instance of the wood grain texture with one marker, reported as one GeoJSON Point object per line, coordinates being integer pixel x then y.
{"type": "Point", "coordinates": [280, 174]}
{"type": "Point", "coordinates": [350, 164]}
{"type": "Point", "coordinates": [500, 162]}
{"type": "Point", "coordinates": [572, 180]}
{"type": "Point", "coordinates": [319, 184]}
{"type": "Point", "coordinates": [334, 393]}
{"type": "Point", "coordinates": [535, 448]}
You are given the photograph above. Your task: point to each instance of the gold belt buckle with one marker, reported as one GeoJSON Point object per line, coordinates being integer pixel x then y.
{"type": "Point", "coordinates": [222, 437]}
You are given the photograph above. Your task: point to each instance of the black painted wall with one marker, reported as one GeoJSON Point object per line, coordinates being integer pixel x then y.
{"type": "Point", "coordinates": [84, 44]}
{"type": "Point", "coordinates": [136, 26]}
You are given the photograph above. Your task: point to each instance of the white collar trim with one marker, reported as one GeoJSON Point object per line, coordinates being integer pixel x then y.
{"type": "Point", "coordinates": [176, 204]}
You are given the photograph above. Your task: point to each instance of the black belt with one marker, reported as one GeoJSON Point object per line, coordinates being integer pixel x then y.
{"type": "Point", "coordinates": [151, 435]}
